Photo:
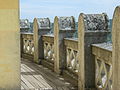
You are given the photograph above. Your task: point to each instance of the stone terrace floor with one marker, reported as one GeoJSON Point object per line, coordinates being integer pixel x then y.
{"type": "Point", "coordinates": [37, 77]}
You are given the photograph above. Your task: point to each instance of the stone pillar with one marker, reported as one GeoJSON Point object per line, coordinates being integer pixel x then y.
{"type": "Point", "coordinates": [92, 29]}
{"type": "Point", "coordinates": [64, 27]}
{"type": "Point", "coordinates": [116, 49]}
{"type": "Point", "coordinates": [41, 26]}
{"type": "Point", "coordinates": [9, 45]}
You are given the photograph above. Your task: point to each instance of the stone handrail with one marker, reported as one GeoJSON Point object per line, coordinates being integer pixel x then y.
{"type": "Point", "coordinates": [103, 64]}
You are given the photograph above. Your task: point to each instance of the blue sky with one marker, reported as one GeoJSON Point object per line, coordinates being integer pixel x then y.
{"type": "Point", "coordinates": [51, 8]}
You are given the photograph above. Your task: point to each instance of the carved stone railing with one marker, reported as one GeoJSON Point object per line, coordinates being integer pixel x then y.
{"type": "Point", "coordinates": [99, 64]}
{"type": "Point", "coordinates": [103, 65]}
{"type": "Point", "coordinates": [48, 41]}
{"type": "Point", "coordinates": [72, 54]}
{"type": "Point", "coordinates": [70, 72]}
{"type": "Point", "coordinates": [48, 51]}
{"type": "Point", "coordinates": [27, 44]}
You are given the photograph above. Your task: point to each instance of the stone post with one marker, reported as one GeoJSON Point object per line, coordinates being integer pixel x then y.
{"type": "Point", "coordinates": [92, 29]}
{"type": "Point", "coordinates": [64, 27]}
{"type": "Point", "coordinates": [41, 26]}
{"type": "Point", "coordinates": [9, 45]}
{"type": "Point", "coordinates": [116, 49]}
{"type": "Point", "coordinates": [24, 25]}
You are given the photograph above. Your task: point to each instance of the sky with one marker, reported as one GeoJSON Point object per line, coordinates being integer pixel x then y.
{"type": "Point", "coordinates": [29, 9]}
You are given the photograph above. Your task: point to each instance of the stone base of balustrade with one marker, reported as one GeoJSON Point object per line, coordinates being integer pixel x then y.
{"type": "Point", "coordinates": [71, 77]}
{"type": "Point", "coordinates": [27, 56]}
{"type": "Point", "coordinates": [48, 64]}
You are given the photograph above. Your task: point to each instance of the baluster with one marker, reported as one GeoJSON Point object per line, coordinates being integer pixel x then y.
{"type": "Point", "coordinates": [68, 57]}
{"type": "Point", "coordinates": [45, 50]}
{"type": "Point", "coordinates": [52, 50]}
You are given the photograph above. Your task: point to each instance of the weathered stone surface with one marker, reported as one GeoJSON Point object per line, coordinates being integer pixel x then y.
{"type": "Point", "coordinates": [116, 49]}
{"type": "Point", "coordinates": [66, 23]}
{"type": "Point", "coordinates": [41, 26]}
{"type": "Point", "coordinates": [103, 65]}
{"type": "Point", "coordinates": [63, 28]}
{"type": "Point", "coordinates": [43, 23]}
{"type": "Point", "coordinates": [95, 22]}
{"type": "Point", "coordinates": [92, 29]}
{"type": "Point", "coordinates": [24, 24]}
{"type": "Point", "coordinates": [106, 46]}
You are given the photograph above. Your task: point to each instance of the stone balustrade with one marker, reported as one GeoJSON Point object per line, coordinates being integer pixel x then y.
{"type": "Point", "coordinates": [48, 51]}
{"type": "Point", "coordinates": [70, 72]}
{"type": "Point", "coordinates": [27, 45]}
{"type": "Point", "coordinates": [48, 41]}
{"type": "Point", "coordinates": [103, 65]}
{"type": "Point", "coordinates": [49, 56]}
{"type": "Point", "coordinates": [72, 54]}
{"type": "Point", "coordinates": [87, 61]}
{"type": "Point", "coordinates": [62, 52]}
